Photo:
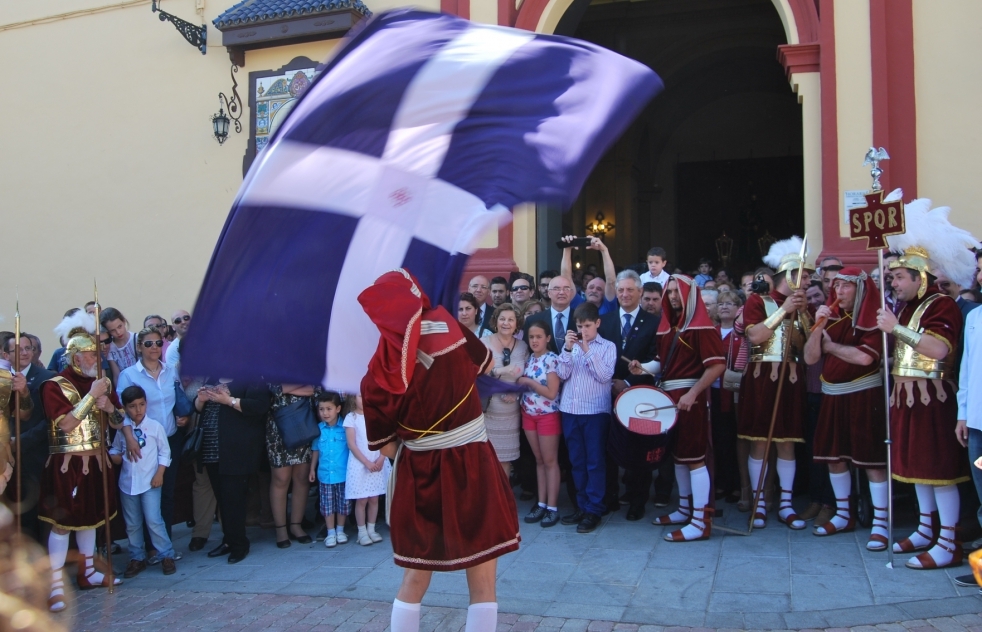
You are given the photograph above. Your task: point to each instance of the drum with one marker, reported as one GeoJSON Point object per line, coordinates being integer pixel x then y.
{"type": "Point", "coordinates": [642, 435]}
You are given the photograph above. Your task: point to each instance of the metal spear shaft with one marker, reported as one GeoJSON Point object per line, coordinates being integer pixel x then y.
{"type": "Point", "coordinates": [104, 437]}
{"type": "Point", "coordinates": [17, 458]}
{"type": "Point", "coordinates": [886, 397]}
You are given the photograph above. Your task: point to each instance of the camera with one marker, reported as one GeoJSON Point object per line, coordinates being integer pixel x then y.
{"type": "Point", "coordinates": [760, 286]}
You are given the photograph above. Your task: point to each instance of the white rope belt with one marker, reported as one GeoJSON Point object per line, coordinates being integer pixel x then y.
{"type": "Point", "coordinates": [862, 384]}
{"type": "Point", "coordinates": [471, 432]}
{"type": "Point", "coordinates": [674, 385]}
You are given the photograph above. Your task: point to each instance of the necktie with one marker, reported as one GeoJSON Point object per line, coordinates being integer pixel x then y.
{"type": "Point", "coordinates": [560, 334]}
{"type": "Point", "coordinates": [625, 329]}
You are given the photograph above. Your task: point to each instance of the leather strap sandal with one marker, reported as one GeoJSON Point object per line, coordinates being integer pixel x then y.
{"type": "Point", "coordinates": [927, 562]}
{"type": "Point", "coordinates": [830, 528]}
{"type": "Point", "coordinates": [704, 524]}
{"type": "Point", "coordinates": [876, 541]}
{"type": "Point", "coordinates": [792, 517]}
{"type": "Point", "coordinates": [906, 546]}
{"type": "Point", "coordinates": [685, 511]}
{"type": "Point", "coordinates": [87, 570]}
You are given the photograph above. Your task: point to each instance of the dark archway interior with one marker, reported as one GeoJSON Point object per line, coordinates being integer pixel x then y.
{"type": "Point", "coordinates": [719, 150]}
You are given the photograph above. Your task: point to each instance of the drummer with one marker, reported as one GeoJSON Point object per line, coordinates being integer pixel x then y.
{"type": "Point", "coordinates": [690, 357]}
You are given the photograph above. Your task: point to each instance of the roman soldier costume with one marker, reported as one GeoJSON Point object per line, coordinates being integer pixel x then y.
{"type": "Point", "coordinates": [759, 389]}
{"type": "Point", "coordinates": [449, 502]}
{"type": "Point", "coordinates": [852, 421]}
{"type": "Point", "coordinates": [72, 497]}
{"type": "Point", "coordinates": [923, 408]}
{"type": "Point", "coordinates": [6, 413]}
{"type": "Point", "coordinates": [688, 344]}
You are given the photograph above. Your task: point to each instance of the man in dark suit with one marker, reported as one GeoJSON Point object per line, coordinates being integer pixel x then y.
{"type": "Point", "coordinates": [33, 433]}
{"type": "Point", "coordinates": [481, 288]}
{"type": "Point", "coordinates": [633, 330]}
{"type": "Point", "coordinates": [558, 317]}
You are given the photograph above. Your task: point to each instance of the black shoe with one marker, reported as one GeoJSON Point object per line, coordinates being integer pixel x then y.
{"type": "Point", "coordinates": [221, 550]}
{"type": "Point", "coordinates": [235, 558]}
{"type": "Point", "coordinates": [550, 519]}
{"type": "Point", "coordinates": [536, 514]}
{"type": "Point", "coordinates": [301, 539]}
{"type": "Point", "coordinates": [197, 544]}
{"type": "Point", "coordinates": [283, 544]}
{"type": "Point", "coordinates": [966, 580]}
{"type": "Point", "coordinates": [574, 518]}
{"type": "Point", "coordinates": [190, 523]}
{"type": "Point", "coordinates": [635, 512]}
{"type": "Point", "coordinates": [662, 500]}
{"type": "Point", "coordinates": [588, 524]}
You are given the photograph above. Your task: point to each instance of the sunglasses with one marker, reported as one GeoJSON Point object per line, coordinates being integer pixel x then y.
{"type": "Point", "coordinates": [506, 357]}
{"type": "Point", "coordinates": [147, 344]}
{"type": "Point", "coordinates": [519, 288]}
{"type": "Point", "coordinates": [181, 319]}
{"type": "Point", "coordinates": [140, 438]}
{"type": "Point", "coordinates": [105, 341]}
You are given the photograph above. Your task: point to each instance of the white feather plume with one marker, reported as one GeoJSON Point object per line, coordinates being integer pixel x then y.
{"type": "Point", "coordinates": [779, 249]}
{"type": "Point", "coordinates": [948, 247]}
{"type": "Point", "coordinates": [79, 319]}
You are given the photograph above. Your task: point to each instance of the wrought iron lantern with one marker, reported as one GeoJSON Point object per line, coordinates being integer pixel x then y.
{"type": "Point", "coordinates": [219, 123]}
{"type": "Point", "coordinates": [599, 226]}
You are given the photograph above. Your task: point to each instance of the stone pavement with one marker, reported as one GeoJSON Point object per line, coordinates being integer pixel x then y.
{"type": "Point", "coordinates": [622, 574]}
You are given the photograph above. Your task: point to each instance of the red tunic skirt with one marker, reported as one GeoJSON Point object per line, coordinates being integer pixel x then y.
{"type": "Point", "coordinates": [852, 427]}
{"type": "Point", "coordinates": [72, 499]}
{"type": "Point", "coordinates": [924, 448]}
{"type": "Point", "coordinates": [692, 434]}
{"type": "Point", "coordinates": [757, 395]}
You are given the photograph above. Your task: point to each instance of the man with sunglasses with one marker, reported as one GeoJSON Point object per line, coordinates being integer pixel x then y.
{"type": "Point", "coordinates": [521, 292]}
{"type": "Point", "coordinates": [33, 430]}
{"type": "Point", "coordinates": [172, 355]}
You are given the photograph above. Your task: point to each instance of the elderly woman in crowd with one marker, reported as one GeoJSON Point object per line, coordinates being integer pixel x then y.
{"type": "Point", "coordinates": [467, 314]}
{"type": "Point", "coordinates": [159, 382]}
{"type": "Point", "coordinates": [288, 465]}
{"type": "Point", "coordinates": [233, 421]}
{"type": "Point", "coordinates": [503, 414]}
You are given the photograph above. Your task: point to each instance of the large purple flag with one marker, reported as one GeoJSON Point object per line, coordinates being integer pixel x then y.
{"type": "Point", "coordinates": [415, 140]}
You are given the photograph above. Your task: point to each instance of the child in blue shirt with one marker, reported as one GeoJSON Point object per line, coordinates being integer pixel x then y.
{"type": "Point", "coordinates": [329, 464]}
{"type": "Point", "coordinates": [705, 272]}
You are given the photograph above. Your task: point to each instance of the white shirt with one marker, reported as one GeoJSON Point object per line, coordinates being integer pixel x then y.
{"type": "Point", "coordinates": [970, 399]}
{"type": "Point", "coordinates": [160, 392]}
{"type": "Point", "coordinates": [634, 315]}
{"type": "Point", "coordinates": [172, 356]}
{"type": "Point", "coordinates": [661, 279]}
{"type": "Point", "coordinates": [559, 337]}
{"type": "Point", "coordinates": [135, 477]}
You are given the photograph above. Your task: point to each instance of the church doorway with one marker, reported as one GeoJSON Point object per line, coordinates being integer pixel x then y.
{"type": "Point", "coordinates": [719, 151]}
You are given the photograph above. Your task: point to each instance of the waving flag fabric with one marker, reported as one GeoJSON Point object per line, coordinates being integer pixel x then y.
{"type": "Point", "coordinates": [416, 139]}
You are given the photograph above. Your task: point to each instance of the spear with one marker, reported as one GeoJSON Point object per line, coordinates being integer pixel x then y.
{"type": "Point", "coordinates": [17, 459]}
{"type": "Point", "coordinates": [104, 437]}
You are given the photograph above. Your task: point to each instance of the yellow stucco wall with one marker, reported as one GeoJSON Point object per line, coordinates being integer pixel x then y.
{"type": "Point", "coordinates": [947, 54]}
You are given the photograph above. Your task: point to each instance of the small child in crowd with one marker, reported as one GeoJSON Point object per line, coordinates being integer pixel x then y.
{"type": "Point", "coordinates": [368, 473]}
{"type": "Point", "coordinates": [657, 258]}
{"type": "Point", "coordinates": [705, 272]}
{"type": "Point", "coordinates": [140, 482]}
{"type": "Point", "coordinates": [329, 465]}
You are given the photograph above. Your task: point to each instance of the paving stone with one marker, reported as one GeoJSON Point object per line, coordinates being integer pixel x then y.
{"type": "Point", "coordinates": [822, 592]}
{"type": "Point", "coordinates": [754, 575]}
{"type": "Point", "coordinates": [946, 624]}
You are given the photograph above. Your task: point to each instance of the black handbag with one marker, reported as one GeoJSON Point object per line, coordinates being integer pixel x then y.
{"type": "Point", "coordinates": [192, 441]}
{"type": "Point", "coordinates": [297, 423]}
{"type": "Point", "coordinates": [182, 405]}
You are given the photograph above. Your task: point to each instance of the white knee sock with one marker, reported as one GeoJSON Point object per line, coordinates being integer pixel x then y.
{"type": "Point", "coordinates": [700, 499]}
{"type": "Point", "coordinates": [405, 617]}
{"type": "Point", "coordinates": [785, 475]}
{"type": "Point", "coordinates": [753, 467]}
{"type": "Point", "coordinates": [926, 505]}
{"type": "Point", "coordinates": [949, 508]}
{"type": "Point", "coordinates": [482, 617]}
{"type": "Point", "coordinates": [841, 487]}
{"type": "Point", "coordinates": [684, 512]}
{"type": "Point", "coordinates": [878, 495]}
{"type": "Point", "coordinates": [86, 546]}
{"type": "Point", "coordinates": [57, 553]}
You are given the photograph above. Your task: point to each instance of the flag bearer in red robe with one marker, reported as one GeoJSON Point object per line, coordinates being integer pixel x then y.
{"type": "Point", "coordinates": [449, 503]}
{"type": "Point", "coordinates": [923, 405]}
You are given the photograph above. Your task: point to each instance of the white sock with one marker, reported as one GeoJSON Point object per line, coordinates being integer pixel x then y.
{"type": "Point", "coordinates": [754, 467]}
{"type": "Point", "coordinates": [878, 495]}
{"type": "Point", "coordinates": [949, 508]}
{"type": "Point", "coordinates": [927, 505]}
{"type": "Point", "coordinates": [57, 554]}
{"type": "Point", "coordinates": [543, 505]}
{"type": "Point", "coordinates": [86, 546]}
{"type": "Point", "coordinates": [785, 475]}
{"type": "Point", "coordinates": [684, 512]}
{"type": "Point", "coordinates": [700, 499]}
{"type": "Point", "coordinates": [482, 617]}
{"type": "Point", "coordinates": [371, 527]}
{"type": "Point", "coordinates": [405, 617]}
{"type": "Point", "coordinates": [841, 487]}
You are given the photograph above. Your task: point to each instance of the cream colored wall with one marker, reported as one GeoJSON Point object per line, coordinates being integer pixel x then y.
{"type": "Point", "coordinates": [947, 54]}
{"type": "Point", "coordinates": [854, 101]}
{"type": "Point", "coordinates": [111, 170]}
